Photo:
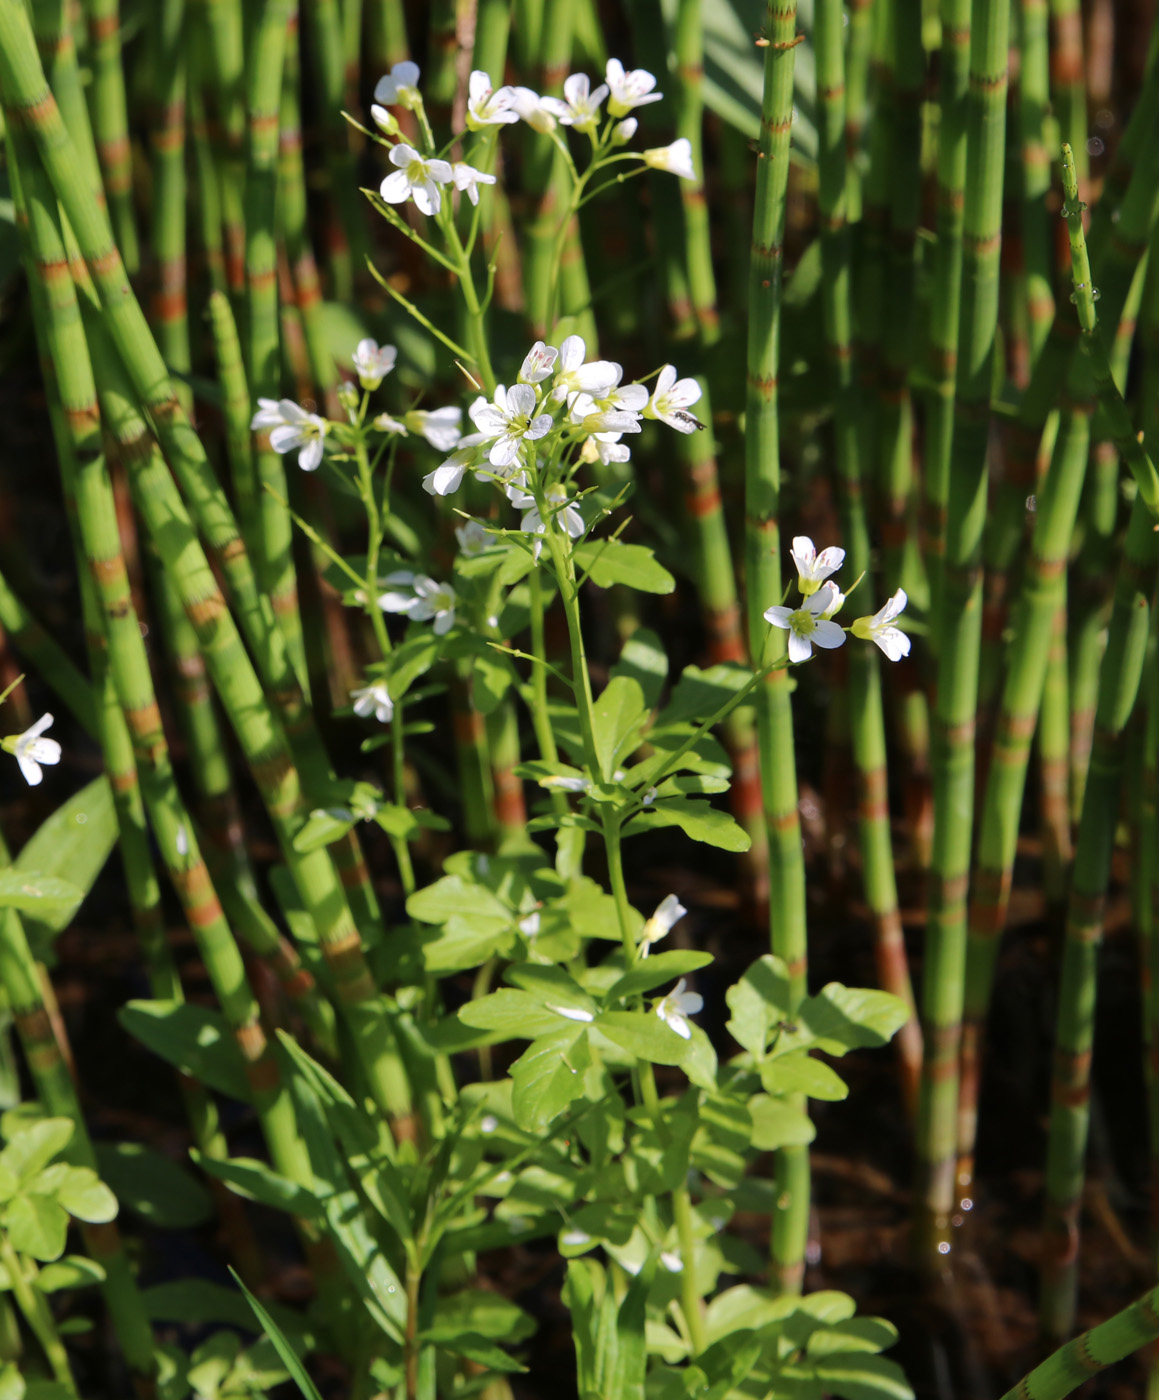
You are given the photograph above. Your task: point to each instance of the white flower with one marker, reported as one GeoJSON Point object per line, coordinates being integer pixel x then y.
{"type": "Point", "coordinates": [417, 178]}
{"type": "Point", "coordinates": [678, 1004]}
{"type": "Point", "coordinates": [487, 106]}
{"type": "Point", "coordinates": [384, 120]}
{"type": "Point", "coordinates": [473, 537]}
{"type": "Point", "coordinates": [538, 363]}
{"type": "Point", "coordinates": [670, 400]}
{"type": "Point", "coordinates": [580, 106]}
{"type": "Point", "coordinates": [386, 424]}
{"type": "Point", "coordinates": [676, 159]}
{"type": "Point", "coordinates": [420, 599]}
{"type": "Point", "coordinates": [668, 912]}
{"type": "Point", "coordinates": [31, 750]}
{"type": "Point", "coordinates": [609, 423]}
{"type": "Point", "coordinates": [629, 90]}
{"type": "Point", "coordinates": [567, 518]}
{"type": "Point", "coordinates": [574, 377]}
{"type": "Point", "coordinates": [448, 477]}
{"type": "Point", "coordinates": [813, 568]}
{"type": "Point", "coordinates": [529, 926]}
{"type": "Point", "coordinates": [373, 700]}
{"type": "Point", "coordinates": [291, 426]}
{"type": "Point", "coordinates": [623, 131]}
{"type": "Point", "coordinates": [509, 421]}
{"type": "Point", "coordinates": [879, 628]}
{"type": "Point", "coordinates": [400, 87]}
{"type": "Point", "coordinates": [466, 177]}
{"type": "Point", "coordinates": [529, 107]}
{"type": "Point", "coordinates": [440, 426]}
{"type": "Point", "coordinates": [806, 625]}
{"type": "Point", "coordinates": [573, 1013]}
{"type": "Point", "coordinates": [607, 448]}
{"type": "Point", "coordinates": [373, 362]}
{"type": "Point", "coordinates": [836, 605]}
{"type": "Point", "coordinates": [672, 1261]}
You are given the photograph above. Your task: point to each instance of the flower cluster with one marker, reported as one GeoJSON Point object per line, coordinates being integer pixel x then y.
{"type": "Point", "coordinates": [812, 623]}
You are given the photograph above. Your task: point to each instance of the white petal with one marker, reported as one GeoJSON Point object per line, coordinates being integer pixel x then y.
{"type": "Point", "coordinates": [44, 750]}
{"type": "Point", "coordinates": [504, 451]}
{"type": "Point", "coordinates": [286, 437]}
{"type": "Point", "coordinates": [30, 768]}
{"type": "Point", "coordinates": [395, 189]}
{"type": "Point", "coordinates": [311, 455]}
{"type": "Point", "coordinates": [828, 635]}
{"type": "Point", "coordinates": [893, 642]}
{"type": "Point", "coordinates": [778, 616]}
{"type": "Point", "coordinates": [800, 648]}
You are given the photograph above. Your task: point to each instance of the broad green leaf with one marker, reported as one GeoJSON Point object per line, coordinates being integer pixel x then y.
{"type": "Point", "coordinates": [466, 942]}
{"type": "Point", "coordinates": [84, 1195]}
{"type": "Point", "coordinates": [870, 1334]}
{"type": "Point", "coordinates": [642, 658]}
{"type": "Point", "coordinates": [608, 562]}
{"type": "Point", "coordinates": [32, 1146]}
{"type": "Point", "coordinates": [624, 1378]}
{"type": "Point", "coordinates": [73, 843]}
{"type": "Point", "coordinates": [148, 1183]}
{"type": "Point", "coordinates": [290, 1358]}
{"type": "Point", "coordinates": [406, 822]}
{"type": "Point", "coordinates": [722, 1139]}
{"type": "Point", "coordinates": [516, 1014]}
{"type": "Point", "coordinates": [643, 1035]}
{"type": "Point", "coordinates": [48, 1390]}
{"type": "Point", "coordinates": [412, 658]}
{"type": "Point", "coordinates": [800, 1073]}
{"type": "Point", "coordinates": [47, 896]}
{"type": "Point", "coordinates": [776, 1124]}
{"type": "Point", "coordinates": [699, 693]}
{"type": "Point", "coordinates": [478, 1349]}
{"type": "Point", "coordinates": [584, 1278]}
{"type": "Point", "coordinates": [693, 785]}
{"type": "Point", "coordinates": [657, 969]}
{"type": "Point", "coordinates": [552, 985]}
{"type": "Point", "coordinates": [745, 1308]}
{"type": "Point", "coordinates": [548, 1076]}
{"type": "Point", "coordinates": [616, 718]}
{"type": "Point", "coordinates": [824, 1308]}
{"type": "Point", "coordinates": [842, 1018]}
{"type": "Point", "coordinates": [453, 894]}
{"type": "Point", "coordinates": [73, 1271]}
{"type": "Point", "coordinates": [758, 1002]}
{"type": "Point", "coordinates": [36, 1225]}
{"type": "Point", "coordinates": [12, 1385]}
{"type": "Point", "coordinates": [323, 826]}
{"type": "Point", "coordinates": [194, 1039]}
{"type": "Point", "coordinates": [863, 1377]}
{"type": "Point", "coordinates": [591, 912]}
{"type": "Point", "coordinates": [255, 1181]}
{"type": "Point", "coordinates": [484, 1313]}
{"type": "Point", "coordinates": [696, 819]}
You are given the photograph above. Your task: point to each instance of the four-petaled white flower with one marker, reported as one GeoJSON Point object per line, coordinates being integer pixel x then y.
{"type": "Point", "coordinates": [420, 599]}
{"type": "Point", "coordinates": [466, 177]}
{"type": "Point", "coordinates": [566, 516]}
{"type": "Point", "coordinates": [671, 400]}
{"type": "Point", "coordinates": [373, 699]}
{"type": "Point", "coordinates": [538, 363]}
{"type": "Point", "coordinates": [668, 913]}
{"type": "Point", "coordinates": [488, 106]}
{"type": "Point", "coordinates": [880, 629]}
{"type": "Point", "coordinates": [510, 420]}
{"type": "Point", "coordinates": [373, 362]}
{"type": "Point", "coordinates": [386, 424]}
{"type": "Point", "coordinates": [628, 90]}
{"type": "Point", "coordinates": [675, 158]}
{"type": "Point", "coordinates": [417, 178]}
{"type": "Point", "coordinates": [807, 627]}
{"type": "Point", "coordinates": [580, 106]}
{"type": "Point", "coordinates": [678, 1004]}
{"type": "Point", "coordinates": [813, 568]}
{"type": "Point", "coordinates": [440, 426]}
{"type": "Point", "coordinates": [30, 750]}
{"type": "Point", "coordinates": [530, 107]}
{"type": "Point", "coordinates": [473, 537]}
{"type": "Point", "coordinates": [448, 476]}
{"type": "Point", "coordinates": [400, 87]}
{"type": "Point", "coordinates": [574, 377]}
{"type": "Point", "coordinates": [291, 426]}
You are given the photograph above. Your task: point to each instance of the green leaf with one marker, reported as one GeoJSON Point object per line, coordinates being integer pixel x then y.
{"type": "Point", "coordinates": [800, 1073]}
{"type": "Point", "coordinates": [475, 1348]}
{"type": "Point", "coordinates": [36, 1225]}
{"type": "Point", "coordinates": [696, 819]}
{"type": "Point", "coordinates": [516, 1014]}
{"type": "Point", "coordinates": [616, 719]}
{"type": "Point", "coordinates": [84, 1195]}
{"type": "Point", "coordinates": [776, 1124]}
{"type": "Point", "coordinates": [643, 659]}
{"type": "Point", "coordinates": [197, 1302]}
{"type": "Point", "coordinates": [455, 895]}
{"type": "Point", "coordinates": [758, 1002]}
{"type": "Point", "coordinates": [842, 1018]}
{"type": "Point", "coordinates": [74, 842]}
{"type": "Point", "coordinates": [643, 1035]}
{"type": "Point", "coordinates": [608, 562]}
{"type": "Point", "coordinates": [863, 1377]}
{"type": "Point", "coordinates": [73, 1271]}
{"type": "Point", "coordinates": [484, 1313]}
{"type": "Point", "coordinates": [412, 658]}
{"type": "Point", "coordinates": [47, 896]}
{"type": "Point", "coordinates": [255, 1181]}
{"type": "Point", "coordinates": [722, 1139]}
{"type": "Point", "coordinates": [32, 1146]}
{"type": "Point", "coordinates": [323, 826]}
{"type": "Point", "coordinates": [406, 822]}
{"type": "Point", "coordinates": [12, 1386]}
{"type": "Point", "coordinates": [465, 943]}
{"type": "Point", "coordinates": [654, 971]}
{"type": "Point", "coordinates": [289, 1356]}
{"type": "Point", "coordinates": [698, 693]}
{"type": "Point", "coordinates": [148, 1183]}
{"type": "Point", "coordinates": [194, 1039]}
{"type": "Point", "coordinates": [548, 1076]}
{"type": "Point", "coordinates": [868, 1334]}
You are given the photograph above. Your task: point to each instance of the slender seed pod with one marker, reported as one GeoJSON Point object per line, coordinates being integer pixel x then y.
{"type": "Point", "coordinates": [959, 623]}
{"type": "Point", "coordinates": [763, 576]}
{"type": "Point", "coordinates": [111, 125]}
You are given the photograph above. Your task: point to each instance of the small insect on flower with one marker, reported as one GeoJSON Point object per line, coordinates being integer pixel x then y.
{"type": "Point", "coordinates": [30, 750]}
{"type": "Point", "coordinates": [807, 626]}
{"type": "Point", "coordinates": [880, 629]}
{"type": "Point", "coordinates": [373, 362]}
{"type": "Point", "coordinates": [488, 106]}
{"type": "Point", "coordinates": [400, 87]}
{"type": "Point", "coordinates": [416, 178]}
{"type": "Point", "coordinates": [466, 177]}
{"type": "Point", "coordinates": [579, 106]}
{"type": "Point", "coordinates": [813, 568]}
{"type": "Point", "coordinates": [675, 158]}
{"type": "Point", "coordinates": [668, 913]}
{"type": "Point", "coordinates": [291, 426]}
{"type": "Point", "coordinates": [629, 89]}
{"type": "Point", "coordinates": [671, 400]}
{"type": "Point", "coordinates": [373, 700]}
{"type": "Point", "coordinates": [676, 1006]}
{"type": "Point", "coordinates": [509, 420]}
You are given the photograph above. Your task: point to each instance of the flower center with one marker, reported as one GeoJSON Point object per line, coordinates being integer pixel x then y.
{"type": "Point", "coordinates": [803, 622]}
{"type": "Point", "coordinates": [416, 171]}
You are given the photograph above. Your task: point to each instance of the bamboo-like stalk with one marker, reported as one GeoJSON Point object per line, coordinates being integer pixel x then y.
{"type": "Point", "coordinates": [222, 91]}
{"type": "Point", "coordinates": [387, 40]}
{"type": "Point", "coordinates": [859, 47]}
{"type": "Point", "coordinates": [763, 582]}
{"type": "Point", "coordinates": [110, 122]}
{"type": "Point", "coordinates": [57, 45]}
{"type": "Point", "coordinates": [167, 141]}
{"type": "Point", "coordinates": [1054, 766]}
{"type": "Point", "coordinates": [1085, 1356]}
{"type": "Point", "coordinates": [1033, 106]}
{"type": "Point", "coordinates": [207, 179]}
{"type": "Point", "coordinates": [959, 624]}
{"type": "Point", "coordinates": [865, 700]}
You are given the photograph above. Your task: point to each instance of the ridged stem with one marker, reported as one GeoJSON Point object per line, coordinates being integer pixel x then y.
{"type": "Point", "coordinates": [110, 122]}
